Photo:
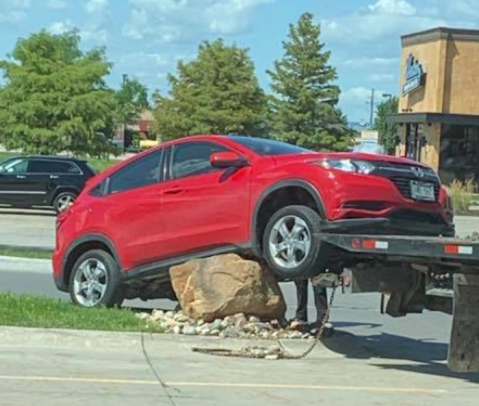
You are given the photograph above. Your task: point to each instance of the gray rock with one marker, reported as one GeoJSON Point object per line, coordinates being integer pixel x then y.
{"type": "Point", "coordinates": [253, 319]}
{"type": "Point", "coordinates": [231, 332]}
{"type": "Point", "coordinates": [295, 334]}
{"type": "Point", "coordinates": [169, 315]}
{"type": "Point", "coordinates": [177, 330]}
{"type": "Point", "coordinates": [240, 321]}
{"type": "Point", "coordinates": [215, 333]}
{"type": "Point", "coordinates": [157, 315]}
{"type": "Point", "coordinates": [143, 316]}
{"type": "Point", "coordinates": [272, 357]}
{"type": "Point", "coordinates": [189, 330]}
{"type": "Point", "coordinates": [262, 327]}
{"type": "Point", "coordinates": [217, 325]}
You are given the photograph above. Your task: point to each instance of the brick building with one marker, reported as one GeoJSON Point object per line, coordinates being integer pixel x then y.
{"type": "Point", "coordinates": [438, 113]}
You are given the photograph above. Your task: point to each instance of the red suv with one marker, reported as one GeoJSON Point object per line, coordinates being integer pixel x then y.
{"type": "Point", "coordinates": [206, 195]}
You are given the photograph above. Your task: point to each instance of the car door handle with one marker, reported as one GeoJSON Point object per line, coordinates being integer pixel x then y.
{"type": "Point", "coordinates": [173, 191]}
{"type": "Point", "coordinates": [21, 177]}
{"type": "Point", "coordinates": [53, 177]}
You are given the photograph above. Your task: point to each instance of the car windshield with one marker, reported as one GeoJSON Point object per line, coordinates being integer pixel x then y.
{"type": "Point", "coordinates": [264, 146]}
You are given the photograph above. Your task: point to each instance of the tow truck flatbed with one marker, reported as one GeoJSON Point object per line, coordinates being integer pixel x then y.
{"type": "Point", "coordinates": [457, 258]}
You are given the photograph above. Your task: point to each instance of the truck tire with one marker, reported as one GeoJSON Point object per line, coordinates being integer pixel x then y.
{"type": "Point", "coordinates": [95, 280]}
{"type": "Point", "coordinates": [291, 244]}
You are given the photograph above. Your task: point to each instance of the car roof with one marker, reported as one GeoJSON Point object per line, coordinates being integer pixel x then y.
{"type": "Point", "coordinates": [54, 158]}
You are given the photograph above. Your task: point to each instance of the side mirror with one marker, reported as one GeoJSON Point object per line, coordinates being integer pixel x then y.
{"type": "Point", "coordinates": [227, 160]}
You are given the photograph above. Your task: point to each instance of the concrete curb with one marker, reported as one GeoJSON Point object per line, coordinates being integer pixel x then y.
{"type": "Point", "coordinates": [27, 337]}
{"type": "Point", "coordinates": [31, 265]}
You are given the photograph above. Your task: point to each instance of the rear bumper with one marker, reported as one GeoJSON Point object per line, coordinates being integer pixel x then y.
{"type": "Point", "coordinates": [58, 272]}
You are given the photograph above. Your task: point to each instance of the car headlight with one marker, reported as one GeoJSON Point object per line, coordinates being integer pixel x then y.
{"type": "Point", "coordinates": [349, 165]}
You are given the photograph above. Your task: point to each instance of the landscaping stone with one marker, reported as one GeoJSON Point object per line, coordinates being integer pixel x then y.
{"type": "Point", "coordinates": [226, 285]}
{"type": "Point", "coordinates": [235, 326]}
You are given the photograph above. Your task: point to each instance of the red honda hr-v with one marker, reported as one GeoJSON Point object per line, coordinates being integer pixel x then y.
{"type": "Point", "coordinates": [206, 195]}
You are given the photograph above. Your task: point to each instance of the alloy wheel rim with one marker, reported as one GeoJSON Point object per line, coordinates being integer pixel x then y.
{"type": "Point", "coordinates": [290, 242]}
{"type": "Point", "coordinates": [64, 202]}
{"type": "Point", "coordinates": [90, 282]}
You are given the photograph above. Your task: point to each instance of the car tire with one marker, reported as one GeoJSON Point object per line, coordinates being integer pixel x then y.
{"type": "Point", "coordinates": [63, 200]}
{"type": "Point", "coordinates": [291, 245]}
{"type": "Point", "coordinates": [96, 281]}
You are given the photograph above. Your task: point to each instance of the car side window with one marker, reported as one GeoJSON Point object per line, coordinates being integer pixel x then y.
{"type": "Point", "coordinates": [193, 158]}
{"type": "Point", "coordinates": [44, 166]}
{"type": "Point", "coordinates": [142, 172]}
{"type": "Point", "coordinates": [15, 166]}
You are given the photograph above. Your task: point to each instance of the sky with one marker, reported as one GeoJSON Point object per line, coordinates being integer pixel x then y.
{"type": "Point", "coordinates": [146, 38]}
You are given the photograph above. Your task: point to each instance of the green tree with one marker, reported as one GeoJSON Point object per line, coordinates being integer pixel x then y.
{"type": "Point", "coordinates": [217, 92]}
{"type": "Point", "coordinates": [388, 135]}
{"type": "Point", "coordinates": [54, 98]}
{"type": "Point", "coordinates": [304, 106]}
{"type": "Point", "coordinates": [132, 99]}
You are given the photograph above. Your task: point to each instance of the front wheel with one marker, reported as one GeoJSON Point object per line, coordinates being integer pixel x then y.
{"type": "Point", "coordinates": [291, 243]}
{"type": "Point", "coordinates": [95, 280]}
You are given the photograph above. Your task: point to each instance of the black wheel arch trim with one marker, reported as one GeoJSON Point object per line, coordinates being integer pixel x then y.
{"type": "Point", "coordinates": [256, 242]}
{"type": "Point", "coordinates": [91, 237]}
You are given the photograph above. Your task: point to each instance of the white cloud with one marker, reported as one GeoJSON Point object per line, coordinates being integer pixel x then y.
{"type": "Point", "coordinates": [367, 62]}
{"type": "Point", "coordinates": [381, 77]}
{"type": "Point", "coordinates": [384, 19]}
{"type": "Point", "coordinates": [14, 11]}
{"type": "Point", "coordinates": [170, 20]}
{"type": "Point", "coordinates": [99, 36]}
{"type": "Point", "coordinates": [60, 27]}
{"type": "Point", "coordinates": [96, 6]}
{"type": "Point", "coordinates": [400, 7]}
{"type": "Point", "coordinates": [57, 4]}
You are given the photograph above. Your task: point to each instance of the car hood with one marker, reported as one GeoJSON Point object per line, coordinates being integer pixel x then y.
{"type": "Point", "coordinates": [307, 157]}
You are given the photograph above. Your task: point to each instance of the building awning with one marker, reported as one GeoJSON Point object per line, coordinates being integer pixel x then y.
{"type": "Point", "coordinates": [419, 118]}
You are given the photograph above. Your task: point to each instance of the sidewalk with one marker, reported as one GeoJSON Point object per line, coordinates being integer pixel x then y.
{"type": "Point", "coordinates": [45, 367]}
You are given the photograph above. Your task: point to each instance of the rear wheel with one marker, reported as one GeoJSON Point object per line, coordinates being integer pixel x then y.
{"type": "Point", "coordinates": [291, 243]}
{"type": "Point", "coordinates": [63, 201]}
{"type": "Point", "coordinates": [95, 280]}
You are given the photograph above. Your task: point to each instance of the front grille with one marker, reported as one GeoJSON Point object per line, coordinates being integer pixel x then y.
{"type": "Point", "coordinates": [404, 185]}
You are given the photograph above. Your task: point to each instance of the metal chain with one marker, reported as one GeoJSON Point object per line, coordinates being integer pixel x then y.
{"type": "Point", "coordinates": [284, 354]}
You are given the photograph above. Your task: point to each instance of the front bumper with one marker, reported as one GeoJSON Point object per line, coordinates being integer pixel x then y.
{"type": "Point", "coordinates": [386, 226]}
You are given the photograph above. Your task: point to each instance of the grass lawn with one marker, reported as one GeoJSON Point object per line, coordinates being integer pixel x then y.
{"type": "Point", "coordinates": [13, 252]}
{"type": "Point", "coordinates": [36, 311]}
{"type": "Point", "coordinates": [99, 164]}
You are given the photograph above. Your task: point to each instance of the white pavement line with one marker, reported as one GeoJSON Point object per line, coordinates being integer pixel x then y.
{"type": "Point", "coordinates": [30, 265]}
{"type": "Point", "coordinates": [221, 384]}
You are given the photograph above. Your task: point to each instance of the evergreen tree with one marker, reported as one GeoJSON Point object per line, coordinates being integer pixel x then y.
{"type": "Point", "coordinates": [55, 98]}
{"type": "Point", "coordinates": [217, 92]}
{"type": "Point", "coordinates": [304, 106]}
{"type": "Point", "coordinates": [388, 135]}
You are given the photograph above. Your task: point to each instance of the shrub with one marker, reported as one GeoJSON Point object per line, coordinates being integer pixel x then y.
{"type": "Point", "coordinates": [462, 195]}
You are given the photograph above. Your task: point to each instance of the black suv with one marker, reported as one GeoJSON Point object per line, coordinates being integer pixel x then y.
{"type": "Point", "coordinates": [28, 181]}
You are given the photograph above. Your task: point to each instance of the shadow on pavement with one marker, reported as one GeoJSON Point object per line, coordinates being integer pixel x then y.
{"type": "Point", "coordinates": [429, 356]}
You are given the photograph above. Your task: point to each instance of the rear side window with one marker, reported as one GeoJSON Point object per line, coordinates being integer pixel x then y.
{"type": "Point", "coordinates": [193, 158]}
{"type": "Point", "coordinates": [40, 166]}
{"type": "Point", "coordinates": [142, 172]}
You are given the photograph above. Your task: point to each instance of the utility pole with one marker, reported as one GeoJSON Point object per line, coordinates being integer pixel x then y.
{"type": "Point", "coordinates": [371, 108]}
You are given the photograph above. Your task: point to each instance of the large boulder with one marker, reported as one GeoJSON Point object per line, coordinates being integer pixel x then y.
{"type": "Point", "coordinates": [224, 285]}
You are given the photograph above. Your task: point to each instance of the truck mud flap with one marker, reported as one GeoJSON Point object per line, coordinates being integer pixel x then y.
{"type": "Point", "coordinates": [464, 344]}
